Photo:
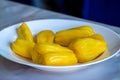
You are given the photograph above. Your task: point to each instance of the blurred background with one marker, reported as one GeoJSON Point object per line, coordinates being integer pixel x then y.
{"type": "Point", "coordinates": [105, 11]}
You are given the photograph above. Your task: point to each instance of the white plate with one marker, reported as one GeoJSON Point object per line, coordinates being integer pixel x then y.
{"type": "Point", "coordinates": [8, 35]}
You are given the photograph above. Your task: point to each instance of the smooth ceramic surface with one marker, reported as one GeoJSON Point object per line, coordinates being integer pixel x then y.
{"type": "Point", "coordinates": [8, 35]}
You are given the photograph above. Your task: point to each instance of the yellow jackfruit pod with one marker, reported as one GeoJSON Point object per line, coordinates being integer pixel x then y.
{"type": "Point", "coordinates": [45, 36]}
{"type": "Point", "coordinates": [64, 37]}
{"type": "Point", "coordinates": [51, 47]}
{"type": "Point", "coordinates": [36, 57]}
{"type": "Point", "coordinates": [55, 58]}
{"type": "Point", "coordinates": [87, 49]}
{"type": "Point", "coordinates": [24, 32]}
{"type": "Point", "coordinates": [98, 36]}
{"type": "Point", "coordinates": [22, 47]}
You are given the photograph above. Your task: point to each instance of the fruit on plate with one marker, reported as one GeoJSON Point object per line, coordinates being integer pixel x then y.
{"type": "Point", "coordinates": [45, 36]}
{"type": "Point", "coordinates": [66, 47]}
{"type": "Point", "coordinates": [24, 32]}
{"type": "Point", "coordinates": [64, 37]}
{"type": "Point", "coordinates": [87, 49]}
{"type": "Point", "coordinates": [53, 55]}
{"type": "Point", "coordinates": [55, 58]}
{"type": "Point", "coordinates": [24, 42]}
{"type": "Point", "coordinates": [22, 47]}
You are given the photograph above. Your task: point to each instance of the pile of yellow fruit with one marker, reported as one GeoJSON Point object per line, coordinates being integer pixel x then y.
{"type": "Point", "coordinates": [65, 47]}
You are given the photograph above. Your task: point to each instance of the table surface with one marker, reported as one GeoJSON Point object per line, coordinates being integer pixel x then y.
{"type": "Point", "coordinates": [12, 13]}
